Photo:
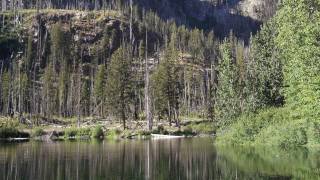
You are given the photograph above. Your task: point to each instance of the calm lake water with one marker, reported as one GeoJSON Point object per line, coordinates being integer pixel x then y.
{"type": "Point", "coordinates": [191, 158]}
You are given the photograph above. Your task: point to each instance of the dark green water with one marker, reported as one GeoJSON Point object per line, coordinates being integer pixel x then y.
{"type": "Point", "coordinates": [195, 158]}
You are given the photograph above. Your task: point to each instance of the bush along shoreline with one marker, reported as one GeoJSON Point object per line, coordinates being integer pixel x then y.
{"type": "Point", "coordinates": [11, 132]}
{"type": "Point", "coordinates": [272, 127]}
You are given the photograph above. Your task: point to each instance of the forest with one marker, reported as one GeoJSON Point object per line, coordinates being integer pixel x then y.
{"type": "Point", "coordinates": [119, 62]}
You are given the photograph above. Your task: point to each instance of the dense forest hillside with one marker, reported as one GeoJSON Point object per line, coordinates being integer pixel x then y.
{"type": "Point", "coordinates": [166, 61]}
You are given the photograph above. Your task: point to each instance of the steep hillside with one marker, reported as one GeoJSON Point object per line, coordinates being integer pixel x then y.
{"type": "Point", "coordinates": [243, 17]}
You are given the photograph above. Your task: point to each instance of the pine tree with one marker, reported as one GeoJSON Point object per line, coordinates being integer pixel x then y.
{"type": "Point", "coordinates": [227, 102]}
{"type": "Point", "coordinates": [264, 76]}
{"type": "Point", "coordinates": [49, 92]}
{"type": "Point", "coordinates": [63, 91]}
{"type": "Point", "coordinates": [119, 84]}
{"type": "Point", "coordinates": [5, 88]}
{"type": "Point", "coordinates": [29, 54]}
{"type": "Point", "coordinates": [99, 89]}
{"type": "Point", "coordinates": [85, 95]}
{"type": "Point", "coordinates": [166, 85]}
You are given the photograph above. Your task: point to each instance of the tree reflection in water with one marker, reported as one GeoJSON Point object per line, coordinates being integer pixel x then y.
{"type": "Point", "coordinates": [194, 158]}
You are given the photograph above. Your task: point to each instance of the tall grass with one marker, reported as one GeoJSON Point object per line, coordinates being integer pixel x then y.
{"type": "Point", "coordinates": [74, 133]}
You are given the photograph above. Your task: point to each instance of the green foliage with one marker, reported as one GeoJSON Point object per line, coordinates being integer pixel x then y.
{"type": "Point", "coordinates": [60, 49]}
{"type": "Point", "coordinates": [202, 128]}
{"type": "Point", "coordinates": [97, 132]}
{"type": "Point", "coordinates": [119, 84]}
{"type": "Point", "coordinates": [165, 83]}
{"type": "Point", "coordinates": [300, 51]}
{"type": "Point", "coordinates": [99, 89]}
{"type": "Point", "coordinates": [160, 130]}
{"type": "Point", "coordinates": [113, 133]}
{"type": "Point", "coordinates": [188, 131]}
{"type": "Point", "coordinates": [50, 91]}
{"type": "Point", "coordinates": [71, 132]}
{"type": "Point", "coordinates": [289, 54]}
{"type": "Point", "coordinates": [29, 53]}
{"type": "Point", "coordinates": [264, 71]}
{"type": "Point", "coordinates": [100, 83]}
{"type": "Point", "coordinates": [227, 98]}
{"type": "Point", "coordinates": [85, 95]}
{"type": "Point", "coordinates": [84, 132]}
{"type": "Point", "coordinates": [8, 132]}
{"type": "Point", "coordinates": [144, 133]}
{"type": "Point", "coordinates": [5, 87]}
{"type": "Point", "coordinates": [36, 132]}
{"type": "Point", "coordinates": [192, 76]}
{"type": "Point", "coordinates": [274, 127]}
{"type": "Point", "coordinates": [12, 132]}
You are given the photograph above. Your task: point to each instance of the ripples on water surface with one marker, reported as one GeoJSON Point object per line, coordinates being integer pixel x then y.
{"type": "Point", "coordinates": [195, 158]}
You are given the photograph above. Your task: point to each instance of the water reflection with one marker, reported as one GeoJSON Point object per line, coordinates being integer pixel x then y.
{"type": "Point", "coordinates": [152, 159]}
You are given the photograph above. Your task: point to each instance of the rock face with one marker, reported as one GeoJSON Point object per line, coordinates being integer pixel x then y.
{"type": "Point", "coordinates": [201, 9]}
{"type": "Point", "coordinates": [243, 17]}
{"type": "Point", "coordinates": [260, 10]}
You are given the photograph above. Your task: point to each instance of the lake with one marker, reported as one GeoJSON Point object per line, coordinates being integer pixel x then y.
{"type": "Point", "coordinates": [188, 158]}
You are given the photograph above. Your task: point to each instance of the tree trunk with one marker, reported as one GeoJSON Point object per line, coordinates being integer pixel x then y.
{"type": "Point", "coordinates": [146, 92]}
{"type": "Point", "coordinates": [79, 95]}
{"type": "Point", "coordinates": [123, 115]}
{"type": "Point", "coordinates": [131, 19]}
{"type": "Point", "coordinates": [169, 114]}
{"type": "Point", "coordinates": [4, 5]}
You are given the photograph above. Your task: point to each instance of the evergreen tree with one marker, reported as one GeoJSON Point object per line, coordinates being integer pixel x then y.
{"type": "Point", "coordinates": [49, 92]}
{"type": "Point", "coordinates": [227, 102]}
{"type": "Point", "coordinates": [29, 54]}
{"type": "Point", "coordinates": [64, 82]}
{"type": "Point", "coordinates": [264, 77]}
{"type": "Point", "coordinates": [99, 89]}
{"type": "Point", "coordinates": [119, 84]}
{"type": "Point", "coordinates": [85, 95]}
{"type": "Point", "coordinates": [166, 85]}
{"type": "Point", "coordinates": [5, 94]}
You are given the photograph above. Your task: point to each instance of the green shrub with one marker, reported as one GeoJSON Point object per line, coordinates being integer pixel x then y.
{"type": "Point", "coordinates": [113, 133]}
{"type": "Point", "coordinates": [187, 131]}
{"type": "Point", "coordinates": [144, 133]}
{"type": "Point", "coordinates": [160, 130]}
{"type": "Point", "coordinates": [84, 132]}
{"type": "Point", "coordinates": [203, 128]}
{"type": "Point", "coordinates": [97, 132]}
{"type": "Point", "coordinates": [126, 134]}
{"type": "Point", "coordinates": [177, 133]}
{"type": "Point", "coordinates": [314, 133]}
{"type": "Point", "coordinates": [37, 132]}
{"type": "Point", "coordinates": [11, 132]}
{"type": "Point", "coordinates": [70, 133]}
{"type": "Point", "coordinates": [274, 126]}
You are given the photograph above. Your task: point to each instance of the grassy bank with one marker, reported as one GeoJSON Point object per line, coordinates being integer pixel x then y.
{"type": "Point", "coordinates": [42, 129]}
{"type": "Point", "coordinates": [275, 126]}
